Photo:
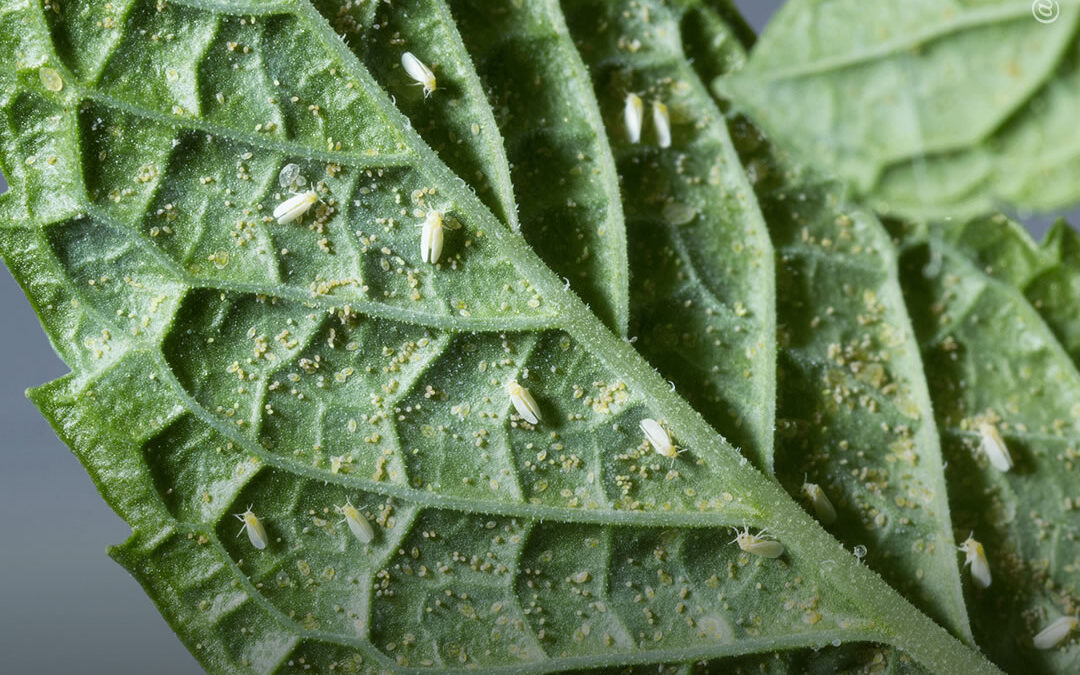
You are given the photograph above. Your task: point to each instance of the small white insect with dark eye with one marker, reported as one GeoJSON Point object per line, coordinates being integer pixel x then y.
{"type": "Point", "coordinates": [662, 124]}
{"type": "Point", "coordinates": [524, 403]}
{"type": "Point", "coordinates": [758, 545]}
{"type": "Point", "coordinates": [658, 437]}
{"type": "Point", "coordinates": [419, 72]}
{"type": "Point", "coordinates": [295, 207]}
{"type": "Point", "coordinates": [633, 112]}
{"type": "Point", "coordinates": [1052, 635]}
{"type": "Point", "coordinates": [993, 446]}
{"type": "Point", "coordinates": [431, 238]}
{"type": "Point", "coordinates": [975, 555]}
{"type": "Point", "coordinates": [357, 523]}
{"type": "Point", "coordinates": [823, 508]}
{"type": "Point", "coordinates": [255, 531]}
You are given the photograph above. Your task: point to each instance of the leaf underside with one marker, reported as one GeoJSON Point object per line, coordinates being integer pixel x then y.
{"type": "Point", "coordinates": [221, 360]}
{"type": "Point", "coordinates": [294, 367]}
{"type": "Point", "coordinates": [991, 357]}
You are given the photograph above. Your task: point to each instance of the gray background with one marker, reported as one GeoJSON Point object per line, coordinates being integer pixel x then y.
{"type": "Point", "coordinates": [65, 607]}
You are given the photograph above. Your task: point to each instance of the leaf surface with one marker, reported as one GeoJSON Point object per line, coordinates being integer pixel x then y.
{"type": "Point", "coordinates": [565, 185]}
{"type": "Point", "coordinates": [563, 171]}
{"type": "Point", "coordinates": [854, 413]}
{"type": "Point", "coordinates": [1048, 274]}
{"type": "Point", "coordinates": [925, 108]}
{"type": "Point", "coordinates": [223, 361]}
{"type": "Point", "coordinates": [458, 122]}
{"type": "Point", "coordinates": [992, 359]}
{"type": "Point", "coordinates": [703, 304]}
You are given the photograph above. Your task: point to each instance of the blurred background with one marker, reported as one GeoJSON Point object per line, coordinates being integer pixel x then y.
{"type": "Point", "coordinates": [66, 607]}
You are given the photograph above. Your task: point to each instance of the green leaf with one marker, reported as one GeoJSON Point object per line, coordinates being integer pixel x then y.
{"type": "Point", "coordinates": [925, 108]}
{"type": "Point", "coordinates": [854, 413]}
{"type": "Point", "coordinates": [703, 304]}
{"type": "Point", "coordinates": [221, 359]}
{"type": "Point", "coordinates": [564, 174]}
{"type": "Point", "coordinates": [1048, 274]}
{"type": "Point", "coordinates": [461, 128]}
{"type": "Point", "coordinates": [992, 359]}
{"type": "Point", "coordinates": [577, 229]}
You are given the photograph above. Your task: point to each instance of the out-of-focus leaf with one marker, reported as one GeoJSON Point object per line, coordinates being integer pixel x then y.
{"type": "Point", "coordinates": [991, 359]}
{"type": "Point", "coordinates": [925, 107]}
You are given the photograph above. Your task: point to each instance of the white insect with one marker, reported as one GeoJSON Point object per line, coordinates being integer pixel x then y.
{"type": "Point", "coordinates": [993, 446]}
{"type": "Point", "coordinates": [255, 531]}
{"type": "Point", "coordinates": [633, 113]}
{"type": "Point", "coordinates": [758, 545]}
{"type": "Point", "coordinates": [524, 403]}
{"type": "Point", "coordinates": [357, 523]}
{"type": "Point", "coordinates": [431, 239]}
{"type": "Point", "coordinates": [295, 207]}
{"type": "Point", "coordinates": [662, 123]}
{"type": "Point", "coordinates": [1052, 635]}
{"type": "Point", "coordinates": [823, 508]}
{"type": "Point", "coordinates": [419, 72]}
{"type": "Point", "coordinates": [975, 555]}
{"type": "Point", "coordinates": [658, 437]}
